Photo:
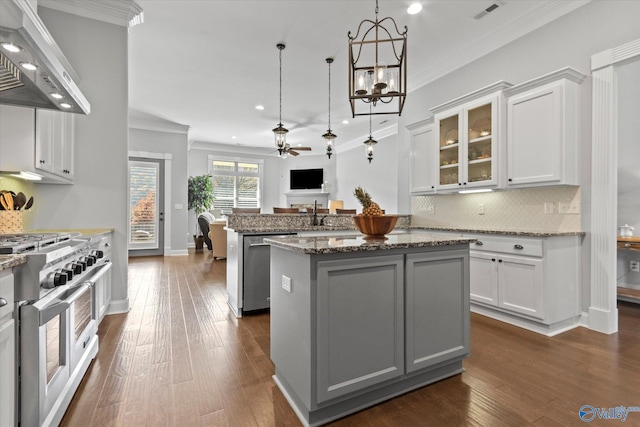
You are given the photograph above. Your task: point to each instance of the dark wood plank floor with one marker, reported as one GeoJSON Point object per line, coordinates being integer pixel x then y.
{"type": "Point", "coordinates": [180, 358]}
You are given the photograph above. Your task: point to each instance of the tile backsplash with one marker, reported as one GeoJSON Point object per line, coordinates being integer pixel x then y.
{"type": "Point", "coordinates": [522, 209]}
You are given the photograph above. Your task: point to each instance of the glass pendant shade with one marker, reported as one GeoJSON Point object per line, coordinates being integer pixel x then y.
{"type": "Point", "coordinates": [369, 143]}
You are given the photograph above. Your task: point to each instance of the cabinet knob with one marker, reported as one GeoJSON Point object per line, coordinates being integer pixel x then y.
{"type": "Point", "coordinates": [479, 243]}
{"type": "Point", "coordinates": [510, 180]}
{"type": "Point", "coordinates": [499, 260]}
{"type": "Point", "coordinates": [459, 183]}
{"type": "Point", "coordinates": [433, 186]}
{"type": "Point", "coordinates": [493, 259]}
{"type": "Point", "coordinates": [518, 247]}
{"type": "Point", "coordinates": [3, 302]}
{"type": "Point", "coordinates": [627, 245]}
{"type": "Point", "coordinates": [42, 162]}
{"type": "Point", "coordinates": [464, 183]}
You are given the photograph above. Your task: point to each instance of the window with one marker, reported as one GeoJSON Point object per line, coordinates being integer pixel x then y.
{"type": "Point", "coordinates": [236, 183]}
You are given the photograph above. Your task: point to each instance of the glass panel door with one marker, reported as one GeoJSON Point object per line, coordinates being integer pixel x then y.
{"type": "Point", "coordinates": [145, 201]}
{"type": "Point", "coordinates": [449, 151]}
{"type": "Point", "coordinates": [481, 141]}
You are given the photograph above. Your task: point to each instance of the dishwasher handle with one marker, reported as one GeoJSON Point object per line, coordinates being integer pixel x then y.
{"type": "Point", "coordinates": [253, 245]}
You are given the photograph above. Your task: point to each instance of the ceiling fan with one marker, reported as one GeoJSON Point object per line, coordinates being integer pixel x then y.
{"type": "Point", "coordinates": [294, 151]}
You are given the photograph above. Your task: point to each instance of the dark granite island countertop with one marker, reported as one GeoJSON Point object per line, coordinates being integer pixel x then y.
{"type": "Point", "coordinates": [350, 243]}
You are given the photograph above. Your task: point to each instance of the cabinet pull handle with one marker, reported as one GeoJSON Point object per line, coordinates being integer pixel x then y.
{"type": "Point", "coordinates": [499, 260]}
{"type": "Point", "coordinates": [479, 243]}
{"type": "Point", "coordinates": [3, 302]}
{"type": "Point", "coordinates": [518, 247]}
{"type": "Point", "coordinates": [493, 259]}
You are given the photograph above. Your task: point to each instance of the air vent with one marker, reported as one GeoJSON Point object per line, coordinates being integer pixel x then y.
{"type": "Point", "coordinates": [9, 74]}
{"type": "Point", "coordinates": [488, 10]}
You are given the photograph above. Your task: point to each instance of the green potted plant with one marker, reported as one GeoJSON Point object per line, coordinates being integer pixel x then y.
{"type": "Point", "coordinates": [200, 195]}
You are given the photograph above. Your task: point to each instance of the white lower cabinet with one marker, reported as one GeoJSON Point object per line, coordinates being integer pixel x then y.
{"type": "Point", "coordinates": [530, 282]}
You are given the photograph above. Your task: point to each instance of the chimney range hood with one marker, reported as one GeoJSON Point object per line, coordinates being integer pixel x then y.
{"type": "Point", "coordinates": [25, 41]}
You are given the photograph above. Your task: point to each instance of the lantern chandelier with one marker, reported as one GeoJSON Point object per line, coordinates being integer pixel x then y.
{"type": "Point", "coordinates": [329, 136]}
{"type": "Point", "coordinates": [377, 67]}
{"type": "Point", "coordinates": [280, 131]}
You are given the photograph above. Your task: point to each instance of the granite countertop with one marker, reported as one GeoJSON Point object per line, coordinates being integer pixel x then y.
{"type": "Point", "coordinates": [527, 233]}
{"type": "Point", "coordinates": [350, 243]}
{"type": "Point", "coordinates": [10, 261]}
{"type": "Point", "coordinates": [285, 229]}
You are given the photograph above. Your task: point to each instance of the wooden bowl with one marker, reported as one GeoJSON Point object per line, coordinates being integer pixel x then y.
{"type": "Point", "coordinates": [375, 226]}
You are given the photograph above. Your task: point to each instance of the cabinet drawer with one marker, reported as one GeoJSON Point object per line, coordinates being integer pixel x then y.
{"type": "Point", "coordinates": [508, 245]}
{"type": "Point", "coordinates": [6, 293]}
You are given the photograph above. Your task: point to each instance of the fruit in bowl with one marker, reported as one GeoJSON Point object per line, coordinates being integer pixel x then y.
{"type": "Point", "coordinates": [372, 222]}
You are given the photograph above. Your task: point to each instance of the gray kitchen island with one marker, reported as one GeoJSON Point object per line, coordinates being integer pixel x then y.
{"type": "Point", "coordinates": [355, 322]}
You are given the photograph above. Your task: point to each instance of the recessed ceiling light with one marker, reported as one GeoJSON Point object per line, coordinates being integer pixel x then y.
{"type": "Point", "coordinates": [233, 137]}
{"type": "Point", "coordinates": [414, 8]}
{"type": "Point", "coordinates": [65, 105]}
{"type": "Point", "coordinates": [259, 107]}
{"type": "Point", "coordinates": [345, 122]}
{"type": "Point", "coordinates": [56, 95]}
{"type": "Point", "coordinates": [11, 47]}
{"type": "Point", "coordinates": [29, 66]}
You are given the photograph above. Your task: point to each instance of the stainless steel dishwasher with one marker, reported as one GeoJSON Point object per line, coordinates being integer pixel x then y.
{"type": "Point", "coordinates": [256, 272]}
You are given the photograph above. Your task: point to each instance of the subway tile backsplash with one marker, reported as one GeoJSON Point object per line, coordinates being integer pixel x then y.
{"type": "Point", "coordinates": [522, 209]}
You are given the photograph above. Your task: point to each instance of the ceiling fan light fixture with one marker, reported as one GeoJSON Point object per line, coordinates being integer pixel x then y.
{"type": "Point", "coordinates": [377, 67]}
{"type": "Point", "coordinates": [280, 132]}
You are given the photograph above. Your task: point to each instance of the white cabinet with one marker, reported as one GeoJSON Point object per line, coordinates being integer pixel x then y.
{"type": "Point", "coordinates": [38, 141]}
{"type": "Point", "coordinates": [469, 134]}
{"type": "Point", "coordinates": [531, 282]}
{"type": "Point", "coordinates": [7, 351]}
{"type": "Point", "coordinates": [542, 130]}
{"type": "Point", "coordinates": [54, 144]}
{"type": "Point", "coordinates": [103, 285]}
{"type": "Point", "coordinates": [422, 178]}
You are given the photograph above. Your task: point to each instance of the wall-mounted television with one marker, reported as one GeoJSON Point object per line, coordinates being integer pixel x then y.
{"type": "Point", "coordinates": [306, 179]}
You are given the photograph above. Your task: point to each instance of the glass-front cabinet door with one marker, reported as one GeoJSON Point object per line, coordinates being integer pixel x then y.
{"type": "Point", "coordinates": [480, 145]}
{"type": "Point", "coordinates": [468, 139]}
{"type": "Point", "coordinates": [450, 150]}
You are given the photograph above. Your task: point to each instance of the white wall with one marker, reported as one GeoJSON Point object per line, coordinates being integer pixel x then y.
{"type": "Point", "coordinates": [98, 53]}
{"type": "Point", "coordinates": [628, 171]}
{"type": "Point", "coordinates": [176, 145]}
{"type": "Point", "coordinates": [379, 178]}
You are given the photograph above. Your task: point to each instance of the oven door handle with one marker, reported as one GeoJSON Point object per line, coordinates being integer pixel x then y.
{"type": "Point", "coordinates": [101, 271]}
{"type": "Point", "coordinates": [49, 312]}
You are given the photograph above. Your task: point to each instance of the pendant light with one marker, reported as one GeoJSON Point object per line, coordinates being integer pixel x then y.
{"type": "Point", "coordinates": [329, 136]}
{"type": "Point", "coordinates": [385, 80]}
{"type": "Point", "coordinates": [370, 142]}
{"type": "Point", "coordinates": [280, 131]}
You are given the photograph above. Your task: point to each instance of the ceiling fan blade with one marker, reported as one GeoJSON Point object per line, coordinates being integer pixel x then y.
{"type": "Point", "coordinates": [302, 148]}
{"type": "Point", "coordinates": [294, 153]}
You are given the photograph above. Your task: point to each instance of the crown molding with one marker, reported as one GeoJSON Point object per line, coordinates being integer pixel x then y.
{"type": "Point", "coordinates": [158, 125]}
{"type": "Point", "coordinates": [544, 13]}
{"type": "Point", "coordinates": [125, 13]}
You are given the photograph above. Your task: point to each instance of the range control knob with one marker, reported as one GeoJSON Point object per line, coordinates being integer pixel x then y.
{"type": "Point", "coordinates": [98, 254]}
{"type": "Point", "coordinates": [83, 263]}
{"type": "Point", "coordinates": [74, 267]}
{"type": "Point", "coordinates": [55, 279]}
{"type": "Point", "coordinates": [68, 272]}
{"type": "Point", "coordinates": [89, 260]}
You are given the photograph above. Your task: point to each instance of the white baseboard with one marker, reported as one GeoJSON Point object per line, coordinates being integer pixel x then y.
{"type": "Point", "coordinates": [118, 306]}
{"type": "Point", "coordinates": [177, 252]}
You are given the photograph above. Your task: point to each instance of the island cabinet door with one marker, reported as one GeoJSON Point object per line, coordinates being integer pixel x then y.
{"type": "Point", "coordinates": [437, 308]}
{"type": "Point", "coordinates": [360, 318]}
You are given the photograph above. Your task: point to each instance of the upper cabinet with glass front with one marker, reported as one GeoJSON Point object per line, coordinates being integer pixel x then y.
{"type": "Point", "coordinates": [470, 134]}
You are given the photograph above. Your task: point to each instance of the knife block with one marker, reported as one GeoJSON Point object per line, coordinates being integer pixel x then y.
{"type": "Point", "coordinates": [11, 222]}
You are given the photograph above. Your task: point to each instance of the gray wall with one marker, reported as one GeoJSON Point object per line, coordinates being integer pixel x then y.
{"type": "Point", "coordinates": [175, 144]}
{"type": "Point", "coordinates": [628, 171]}
{"type": "Point", "coordinates": [98, 53]}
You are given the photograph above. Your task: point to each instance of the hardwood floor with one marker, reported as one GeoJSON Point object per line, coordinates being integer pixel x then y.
{"type": "Point", "coordinates": [180, 358]}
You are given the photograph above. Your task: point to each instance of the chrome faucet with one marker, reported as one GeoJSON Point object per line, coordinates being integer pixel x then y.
{"type": "Point", "coordinates": [315, 215]}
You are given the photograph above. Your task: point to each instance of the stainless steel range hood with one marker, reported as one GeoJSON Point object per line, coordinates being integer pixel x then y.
{"type": "Point", "coordinates": [25, 40]}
